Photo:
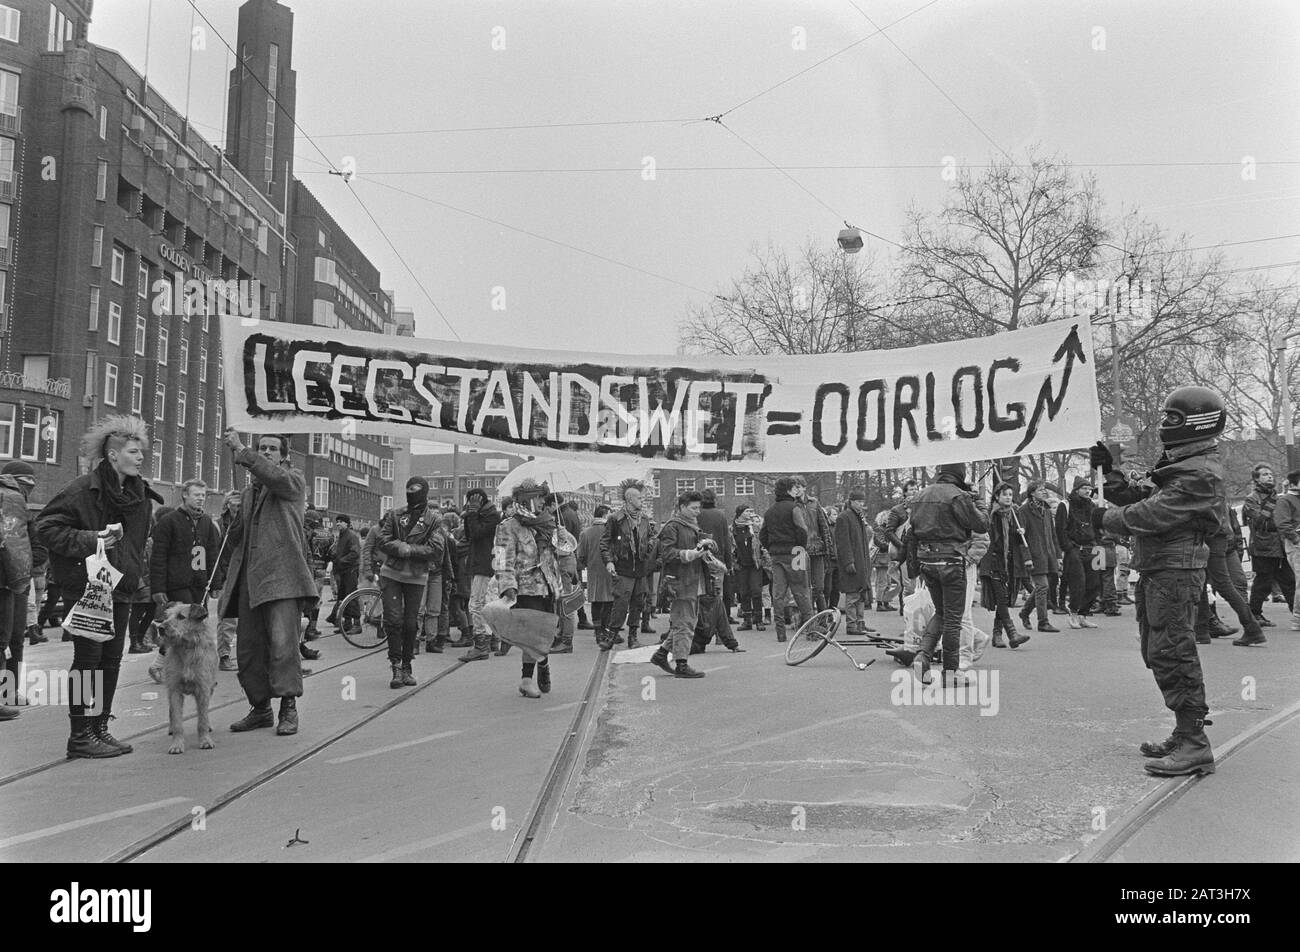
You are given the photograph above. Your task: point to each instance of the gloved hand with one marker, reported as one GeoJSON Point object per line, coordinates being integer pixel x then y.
{"type": "Point", "coordinates": [1099, 457]}
{"type": "Point", "coordinates": [403, 550]}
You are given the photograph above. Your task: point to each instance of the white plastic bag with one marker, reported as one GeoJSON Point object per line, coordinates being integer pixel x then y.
{"type": "Point", "coordinates": [92, 616]}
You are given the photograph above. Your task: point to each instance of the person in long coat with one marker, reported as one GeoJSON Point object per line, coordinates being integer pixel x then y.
{"type": "Point", "coordinates": [1002, 564]}
{"type": "Point", "coordinates": [853, 545]}
{"type": "Point", "coordinates": [268, 580]}
{"type": "Point", "coordinates": [1044, 551]}
{"type": "Point", "coordinates": [600, 584]}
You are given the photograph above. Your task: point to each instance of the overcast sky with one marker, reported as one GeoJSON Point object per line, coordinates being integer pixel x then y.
{"type": "Point", "coordinates": [1180, 85]}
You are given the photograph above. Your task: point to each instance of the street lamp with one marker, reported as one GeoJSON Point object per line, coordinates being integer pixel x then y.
{"type": "Point", "coordinates": [1284, 375]}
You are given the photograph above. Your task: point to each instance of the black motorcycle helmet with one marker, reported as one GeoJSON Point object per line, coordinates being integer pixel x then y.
{"type": "Point", "coordinates": [1191, 414]}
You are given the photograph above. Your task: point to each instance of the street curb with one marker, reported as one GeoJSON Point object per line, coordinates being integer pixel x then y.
{"type": "Point", "coordinates": [1109, 843]}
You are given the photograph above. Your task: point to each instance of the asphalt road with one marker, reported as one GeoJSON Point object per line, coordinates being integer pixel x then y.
{"type": "Point", "coordinates": [756, 762]}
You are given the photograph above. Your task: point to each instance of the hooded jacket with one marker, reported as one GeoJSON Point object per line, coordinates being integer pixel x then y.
{"type": "Point", "coordinates": [1172, 522]}
{"type": "Point", "coordinates": [70, 524]}
{"type": "Point", "coordinates": [1257, 514]}
{"type": "Point", "coordinates": [783, 526]}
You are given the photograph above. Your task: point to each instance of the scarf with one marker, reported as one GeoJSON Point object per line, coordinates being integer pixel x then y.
{"type": "Point", "coordinates": [542, 525]}
{"type": "Point", "coordinates": [123, 497]}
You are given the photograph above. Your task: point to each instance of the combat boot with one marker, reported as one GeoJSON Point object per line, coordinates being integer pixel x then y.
{"type": "Point", "coordinates": [746, 625]}
{"type": "Point", "coordinates": [997, 635]}
{"type": "Point", "coordinates": [1014, 638]}
{"type": "Point", "coordinates": [258, 716]}
{"type": "Point", "coordinates": [83, 742]}
{"type": "Point", "coordinates": [544, 677]}
{"type": "Point", "coordinates": [1193, 753]}
{"type": "Point", "coordinates": [631, 641]}
{"type": "Point", "coordinates": [35, 636]}
{"type": "Point", "coordinates": [288, 717]}
{"type": "Point", "coordinates": [1160, 748]}
{"type": "Point", "coordinates": [100, 726]}
{"type": "Point", "coordinates": [396, 681]}
{"type": "Point", "coordinates": [480, 650]}
{"type": "Point", "coordinates": [660, 659]}
{"type": "Point", "coordinates": [684, 670]}
{"type": "Point", "coordinates": [408, 676]}
{"type": "Point", "coordinates": [1250, 640]}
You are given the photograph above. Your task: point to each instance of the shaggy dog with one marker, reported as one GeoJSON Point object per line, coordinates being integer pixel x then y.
{"type": "Point", "coordinates": [189, 667]}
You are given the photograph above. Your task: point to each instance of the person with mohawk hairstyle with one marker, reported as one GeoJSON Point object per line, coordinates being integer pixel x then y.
{"type": "Point", "coordinates": [111, 504]}
{"type": "Point", "coordinates": [628, 549]}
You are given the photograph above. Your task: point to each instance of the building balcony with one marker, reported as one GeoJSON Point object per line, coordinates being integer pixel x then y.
{"type": "Point", "coordinates": [12, 124]}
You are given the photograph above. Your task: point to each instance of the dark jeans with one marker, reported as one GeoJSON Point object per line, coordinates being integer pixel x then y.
{"type": "Point", "coordinates": [711, 620]}
{"type": "Point", "coordinates": [1039, 598]}
{"type": "Point", "coordinates": [749, 588]}
{"type": "Point", "coordinates": [600, 612]}
{"type": "Point", "coordinates": [947, 584]}
{"type": "Point", "coordinates": [347, 585]}
{"type": "Point", "coordinates": [1166, 614]}
{"type": "Point", "coordinates": [1237, 574]}
{"type": "Point", "coordinates": [999, 595]}
{"type": "Point", "coordinates": [401, 617]}
{"type": "Point", "coordinates": [816, 575]}
{"type": "Point", "coordinates": [142, 613]}
{"type": "Point", "coordinates": [102, 656]}
{"type": "Point", "coordinates": [1267, 571]}
{"type": "Point", "coordinates": [1084, 581]}
{"type": "Point", "coordinates": [1220, 579]}
{"type": "Point", "coordinates": [833, 587]}
{"type": "Point", "coordinates": [1055, 590]}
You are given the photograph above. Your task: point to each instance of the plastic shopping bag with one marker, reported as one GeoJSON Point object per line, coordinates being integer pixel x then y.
{"type": "Point", "coordinates": [92, 616]}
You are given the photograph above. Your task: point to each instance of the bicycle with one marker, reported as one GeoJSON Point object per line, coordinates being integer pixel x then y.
{"type": "Point", "coordinates": [366, 630]}
{"type": "Point", "coordinates": [823, 629]}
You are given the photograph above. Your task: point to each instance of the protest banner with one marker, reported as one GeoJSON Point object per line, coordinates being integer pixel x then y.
{"type": "Point", "coordinates": [1026, 391]}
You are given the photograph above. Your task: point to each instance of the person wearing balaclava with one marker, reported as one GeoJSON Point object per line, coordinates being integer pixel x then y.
{"type": "Point", "coordinates": [410, 538]}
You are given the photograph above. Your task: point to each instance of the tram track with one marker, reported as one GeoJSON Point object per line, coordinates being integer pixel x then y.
{"type": "Point", "coordinates": [532, 831]}
{"type": "Point", "coordinates": [1106, 846]}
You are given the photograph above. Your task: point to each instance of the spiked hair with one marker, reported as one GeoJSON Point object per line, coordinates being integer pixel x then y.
{"type": "Point", "coordinates": [122, 428]}
{"type": "Point", "coordinates": [631, 483]}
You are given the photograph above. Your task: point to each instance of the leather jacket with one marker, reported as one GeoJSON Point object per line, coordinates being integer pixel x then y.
{"type": "Point", "coordinates": [944, 516]}
{"type": "Point", "coordinates": [1257, 514]}
{"type": "Point", "coordinates": [1172, 523]}
{"type": "Point", "coordinates": [629, 544]}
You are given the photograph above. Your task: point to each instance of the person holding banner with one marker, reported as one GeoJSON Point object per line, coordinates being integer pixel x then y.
{"type": "Point", "coordinates": [628, 550]}
{"type": "Point", "coordinates": [1171, 515]}
{"type": "Point", "coordinates": [110, 506]}
{"type": "Point", "coordinates": [268, 582]}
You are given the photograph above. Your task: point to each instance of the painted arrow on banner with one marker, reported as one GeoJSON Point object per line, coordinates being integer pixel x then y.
{"type": "Point", "coordinates": [1070, 348]}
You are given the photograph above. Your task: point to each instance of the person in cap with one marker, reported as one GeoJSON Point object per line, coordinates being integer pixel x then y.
{"type": "Point", "coordinates": [853, 540]}
{"type": "Point", "coordinates": [945, 517]}
{"type": "Point", "coordinates": [110, 505]}
{"type": "Point", "coordinates": [1078, 556]}
{"type": "Point", "coordinates": [346, 556]}
{"type": "Point", "coordinates": [748, 561]}
{"type": "Point", "coordinates": [1171, 515]}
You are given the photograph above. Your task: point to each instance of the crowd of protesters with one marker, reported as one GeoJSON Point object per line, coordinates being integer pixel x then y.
{"type": "Point", "coordinates": [268, 557]}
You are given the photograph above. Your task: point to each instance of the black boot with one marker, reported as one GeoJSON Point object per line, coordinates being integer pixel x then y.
{"type": "Point", "coordinates": [997, 634]}
{"type": "Point", "coordinates": [684, 670]}
{"type": "Point", "coordinates": [408, 676]}
{"type": "Point", "coordinates": [1160, 748]}
{"type": "Point", "coordinates": [544, 677]}
{"type": "Point", "coordinates": [396, 681]}
{"type": "Point", "coordinates": [660, 659]}
{"type": "Point", "coordinates": [258, 716]}
{"type": "Point", "coordinates": [310, 654]}
{"type": "Point", "coordinates": [100, 726]}
{"type": "Point", "coordinates": [83, 742]}
{"type": "Point", "coordinates": [35, 636]}
{"type": "Point", "coordinates": [1193, 753]}
{"type": "Point", "coordinates": [288, 717]}
{"type": "Point", "coordinates": [746, 625]}
{"type": "Point", "coordinates": [138, 646]}
{"type": "Point", "coordinates": [1014, 638]}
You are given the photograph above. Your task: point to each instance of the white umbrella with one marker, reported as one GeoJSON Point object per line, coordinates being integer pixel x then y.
{"type": "Point", "coordinates": [569, 476]}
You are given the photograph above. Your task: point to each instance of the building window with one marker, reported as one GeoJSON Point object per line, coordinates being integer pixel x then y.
{"type": "Point", "coordinates": [157, 465]}
{"type": "Point", "coordinates": [7, 153]}
{"type": "Point", "coordinates": [92, 373]}
{"type": "Point", "coordinates": [385, 469]}
{"type": "Point", "coordinates": [216, 470]}
{"type": "Point", "coordinates": [180, 408]}
{"type": "Point", "coordinates": [203, 365]}
{"type": "Point", "coordinates": [385, 504]}
{"type": "Point", "coordinates": [198, 464]}
{"type": "Point", "coordinates": [744, 486]}
{"type": "Point", "coordinates": [97, 247]}
{"type": "Point", "coordinates": [60, 30]}
{"type": "Point", "coordinates": [9, 23]}
{"type": "Point", "coordinates": [117, 270]}
{"type": "Point", "coordinates": [137, 393]}
{"type": "Point", "coordinates": [200, 412]}
{"type": "Point", "coordinates": [317, 447]}
{"type": "Point", "coordinates": [110, 384]}
{"type": "Point", "coordinates": [101, 180]}
{"type": "Point", "coordinates": [8, 86]}
{"type": "Point", "coordinates": [94, 308]}
{"type": "Point", "coordinates": [178, 464]}
{"type": "Point", "coordinates": [162, 345]}
{"type": "Point", "coordinates": [655, 489]}
{"type": "Point", "coordinates": [218, 418]}
{"type": "Point", "coordinates": [185, 356]}
{"type": "Point", "coordinates": [685, 485]}
{"type": "Point", "coordinates": [160, 402]}
{"type": "Point", "coordinates": [142, 280]}
{"type": "Point", "coordinates": [4, 225]}
{"type": "Point", "coordinates": [103, 123]}
{"type": "Point", "coordinates": [221, 375]}
{"type": "Point", "coordinates": [321, 496]}
{"type": "Point", "coordinates": [716, 483]}
{"type": "Point", "coordinates": [40, 436]}
{"type": "Point", "coordinates": [114, 322]}
{"type": "Point", "coordinates": [141, 334]}
{"type": "Point", "coordinates": [7, 411]}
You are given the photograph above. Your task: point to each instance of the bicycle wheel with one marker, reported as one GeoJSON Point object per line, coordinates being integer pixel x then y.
{"type": "Point", "coordinates": [370, 609]}
{"type": "Point", "coordinates": [811, 637]}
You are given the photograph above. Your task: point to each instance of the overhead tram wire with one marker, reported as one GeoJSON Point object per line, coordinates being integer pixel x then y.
{"type": "Point", "coordinates": [273, 98]}
{"type": "Point", "coordinates": [930, 80]}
